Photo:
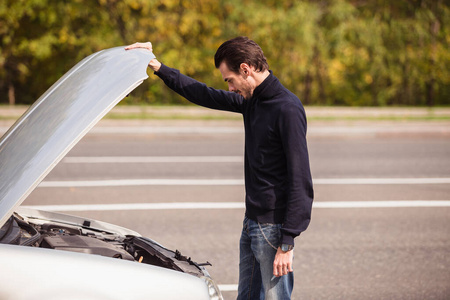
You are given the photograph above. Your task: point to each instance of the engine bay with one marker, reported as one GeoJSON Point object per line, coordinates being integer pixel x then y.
{"type": "Point", "coordinates": [85, 239]}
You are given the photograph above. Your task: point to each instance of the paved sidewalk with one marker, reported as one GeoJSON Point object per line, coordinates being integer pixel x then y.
{"type": "Point", "coordinates": [313, 113]}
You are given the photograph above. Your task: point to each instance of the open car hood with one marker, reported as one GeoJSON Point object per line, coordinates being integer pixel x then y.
{"type": "Point", "coordinates": [44, 134]}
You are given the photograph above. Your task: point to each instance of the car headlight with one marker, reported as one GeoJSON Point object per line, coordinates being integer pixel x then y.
{"type": "Point", "coordinates": [213, 290]}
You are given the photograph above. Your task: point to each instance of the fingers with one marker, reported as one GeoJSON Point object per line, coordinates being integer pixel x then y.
{"type": "Point", "coordinates": [282, 263]}
{"type": "Point", "coordinates": [282, 270]}
{"type": "Point", "coordinates": [147, 46]}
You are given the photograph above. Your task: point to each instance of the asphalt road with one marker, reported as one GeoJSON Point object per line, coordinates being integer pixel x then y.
{"type": "Point", "coordinates": [381, 220]}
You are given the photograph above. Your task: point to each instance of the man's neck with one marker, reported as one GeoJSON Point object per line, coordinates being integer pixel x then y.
{"type": "Point", "coordinates": [260, 77]}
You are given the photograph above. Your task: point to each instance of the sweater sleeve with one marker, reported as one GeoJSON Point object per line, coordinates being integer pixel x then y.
{"type": "Point", "coordinates": [199, 93]}
{"type": "Point", "coordinates": [292, 122]}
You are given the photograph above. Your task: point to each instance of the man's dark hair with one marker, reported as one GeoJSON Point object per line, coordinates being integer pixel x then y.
{"type": "Point", "coordinates": [240, 50]}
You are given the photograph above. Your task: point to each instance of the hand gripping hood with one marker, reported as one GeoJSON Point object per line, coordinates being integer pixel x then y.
{"type": "Point", "coordinates": [61, 117]}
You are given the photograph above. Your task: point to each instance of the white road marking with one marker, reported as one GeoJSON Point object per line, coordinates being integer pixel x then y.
{"type": "Point", "coordinates": [151, 159]}
{"type": "Point", "coordinates": [141, 206]}
{"type": "Point", "coordinates": [229, 182]}
{"type": "Point", "coordinates": [141, 182]}
{"type": "Point", "coordinates": [435, 180]}
{"type": "Point", "coordinates": [312, 130]}
{"type": "Point", "coordinates": [234, 205]}
{"type": "Point", "coordinates": [166, 130]}
{"type": "Point", "coordinates": [382, 204]}
{"type": "Point", "coordinates": [228, 287]}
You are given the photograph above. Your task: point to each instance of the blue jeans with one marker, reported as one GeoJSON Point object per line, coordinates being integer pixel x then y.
{"type": "Point", "coordinates": [258, 246]}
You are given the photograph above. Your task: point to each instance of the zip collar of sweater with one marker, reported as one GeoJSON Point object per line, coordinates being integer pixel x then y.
{"type": "Point", "coordinates": [268, 88]}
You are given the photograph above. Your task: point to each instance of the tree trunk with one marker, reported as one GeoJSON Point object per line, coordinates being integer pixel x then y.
{"type": "Point", "coordinates": [307, 92]}
{"type": "Point", "coordinates": [11, 94]}
{"type": "Point", "coordinates": [319, 77]}
{"type": "Point", "coordinates": [434, 28]}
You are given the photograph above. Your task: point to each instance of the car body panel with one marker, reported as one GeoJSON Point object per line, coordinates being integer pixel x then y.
{"type": "Point", "coordinates": [61, 117]}
{"type": "Point", "coordinates": [33, 271]}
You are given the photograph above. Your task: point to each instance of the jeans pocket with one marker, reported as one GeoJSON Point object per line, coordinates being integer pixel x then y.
{"type": "Point", "coordinates": [271, 234]}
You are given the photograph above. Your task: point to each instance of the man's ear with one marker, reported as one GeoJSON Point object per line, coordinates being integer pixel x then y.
{"type": "Point", "coordinates": [244, 69]}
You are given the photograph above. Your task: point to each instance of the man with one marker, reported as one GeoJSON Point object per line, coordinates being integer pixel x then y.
{"type": "Point", "coordinates": [278, 183]}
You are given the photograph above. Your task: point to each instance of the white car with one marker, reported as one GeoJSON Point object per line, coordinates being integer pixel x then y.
{"type": "Point", "coordinates": [47, 255]}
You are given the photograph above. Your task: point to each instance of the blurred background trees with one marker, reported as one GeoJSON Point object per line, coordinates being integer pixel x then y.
{"type": "Point", "coordinates": [328, 52]}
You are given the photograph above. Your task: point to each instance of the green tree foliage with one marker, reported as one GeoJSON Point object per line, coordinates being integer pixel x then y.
{"type": "Point", "coordinates": [328, 52]}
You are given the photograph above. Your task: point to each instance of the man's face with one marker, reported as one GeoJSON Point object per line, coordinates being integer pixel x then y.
{"type": "Point", "coordinates": [237, 82]}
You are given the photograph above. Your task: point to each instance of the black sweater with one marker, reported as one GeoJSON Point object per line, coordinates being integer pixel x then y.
{"type": "Point", "coordinates": [277, 175]}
